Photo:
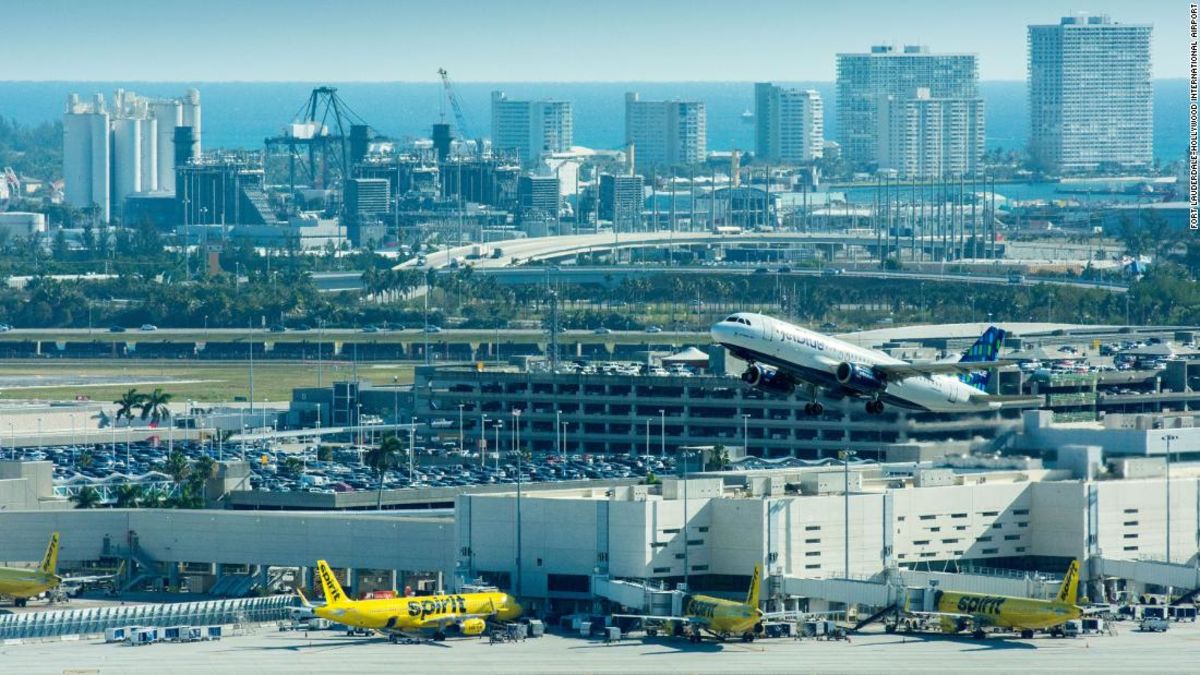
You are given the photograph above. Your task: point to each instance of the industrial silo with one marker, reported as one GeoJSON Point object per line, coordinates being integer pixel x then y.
{"type": "Point", "coordinates": [149, 153]}
{"type": "Point", "coordinates": [168, 114]}
{"type": "Point", "coordinates": [127, 159]}
{"type": "Point", "coordinates": [191, 116]}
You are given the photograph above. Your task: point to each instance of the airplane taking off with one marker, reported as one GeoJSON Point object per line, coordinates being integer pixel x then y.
{"type": "Point", "coordinates": [433, 614]}
{"type": "Point", "coordinates": [959, 611]}
{"type": "Point", "coordinates": [21, 584]}
{"type": "Point", "coordinates": [782, 355]}
{"type": "Point", "coordinates": [717, 616]}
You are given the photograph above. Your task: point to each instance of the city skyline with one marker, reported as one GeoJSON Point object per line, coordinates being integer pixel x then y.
{"type": "Point", "coordinates": [514, 41]}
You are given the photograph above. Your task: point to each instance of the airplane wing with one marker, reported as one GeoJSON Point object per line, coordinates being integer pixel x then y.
{"type": "Point", "coordinates": [656, 617]}
{"type": "Point", "coordinates": [998, 401]}
{"type": "Point", "coordinates": [441, 622]}
{"type": "Point", "coordinates": [900, 371]}
{"type": "Point", "coordinates": [93, 578]}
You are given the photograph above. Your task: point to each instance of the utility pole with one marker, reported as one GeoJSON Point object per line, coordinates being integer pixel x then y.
{"type": "Point", "coordinates": [1168, 438]}
{"type": "Point", "coordinates": [846, 455]}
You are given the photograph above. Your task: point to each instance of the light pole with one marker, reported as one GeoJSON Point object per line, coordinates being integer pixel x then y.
{"type": "Point", "coordinates": [566, 425]}
{"type": "Point", "coordinates": [745, 434]}
{"type": "Point", "coordinates": [460, 428]}
{"type": "Point", "coordinates": [686, 562]}
{"type": "Point", "coordinates": [846, 455]}
{"type": "Point", "coordinates": [1168, 438]}
{"type": "Point", "coordinates": [517, 446]}
{"type": "Point", "coordinates": [647, 439]}
{"type": "Point", "coordinates": [396, 402]}
{"type": "Point", "coordinates": [412, 449]}
{"type": "Point", "coordinates": [358, 422]}
{"type": "Point", "coordinates": [498, 425]}
{"type": "Point", "coordinates": [558, 431]}
{"type": "Point", "coordinates": [482, 439]}
{"type": "Point", "coordinates": [39, 435]}
{"type": "Point", "coordinates": [662, 419]}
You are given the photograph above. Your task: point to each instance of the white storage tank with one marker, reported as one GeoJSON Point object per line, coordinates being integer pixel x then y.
{"type": "Point", "coordinates": [127, 159]}
{"type": "Point", "coordinates": [149, 143]}
{"type": "Point", "coordinates": [191, 114]}
{"type": "Point", "coordinates": [168, 114]}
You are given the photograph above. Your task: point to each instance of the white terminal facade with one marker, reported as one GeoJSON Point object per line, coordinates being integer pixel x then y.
{"type": "Point", "coordinates": [929, 102]}
{"type": "Point", "coordinates": [531, 129]}
{"type": "Point", "coordinates": [1091, 98]}
{"type": "Point", "coordinates": [113, 151]}
{"type": "Point", "coordinates": [789, 124]}
{"type": "Point", "coordinates": [665, 133]}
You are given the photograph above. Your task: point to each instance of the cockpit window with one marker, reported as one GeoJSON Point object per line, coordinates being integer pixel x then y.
{"type": "Point", "coordinates": [747, 322]}
{"type": "Point", "coordinates": [737, 319]}
{"type": "Point", "coordinates": [732, 319]}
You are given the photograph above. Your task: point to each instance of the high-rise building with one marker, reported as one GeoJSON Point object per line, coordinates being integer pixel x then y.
{"type": "Point", "coordinates": [665, 133]}
{"type": "Point", "coordinates": [789, 124]}
{"type": "Point", "coordinates": [864, 80]}
{"type": "Point", "coordinates": [530, 128]}
{"type": "Point", "coordinates": [538, 196]}
{"type": "Point", "coordinates": [925, 137]}
{"type": "Point", "coordinates": [1090, 94]}
{"type": "Point", "coordinates": [621, 200]}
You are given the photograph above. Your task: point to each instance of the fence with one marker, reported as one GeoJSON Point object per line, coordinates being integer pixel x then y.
{"type": "Point", "coordinates": [95, 620]}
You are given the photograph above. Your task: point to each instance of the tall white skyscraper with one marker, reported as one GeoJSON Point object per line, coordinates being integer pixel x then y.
{"type": "Point", "coordinates": [1090, 95]}
{"type": "Point", "coordinates": [665, 133]}
{"type": "Point", "coordinates": [925, 137]}
{"type": "Point", "coordinates": [864, 80]}
{"type": "Point", "coordinates": [789, 124]}
{"type": "Point", "coordinates": [531, 128]}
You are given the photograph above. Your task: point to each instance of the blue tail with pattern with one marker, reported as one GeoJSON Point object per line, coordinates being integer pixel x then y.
{"type": "Point", "coordinates": [986, 348]}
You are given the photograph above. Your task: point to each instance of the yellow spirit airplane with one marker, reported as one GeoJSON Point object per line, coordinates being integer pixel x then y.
{"type": "Point", "coordinates": [397, 617]}
{"type": "Point", "coordinates": [715, 616]}
{"type": "Point", "coordinates": [958, 611]}
{"type": "Point", "coordinates": [21, 584]}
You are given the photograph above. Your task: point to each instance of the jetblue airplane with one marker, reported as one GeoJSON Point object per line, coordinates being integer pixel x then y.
{"type": "Point", "coordinates": [781, 356]}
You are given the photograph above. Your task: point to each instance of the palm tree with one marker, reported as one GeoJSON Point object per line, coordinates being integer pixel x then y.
{"type": "Point", "coordinates": [127, 403]}
{"type": "Point", "coordinates": [176, 466]}
{"type": "Point", "coordinates": [86, 498]}
{"type": "Point", "coordinates": [381, 458]}
{"type": "Point", "coordinates": [203, 469]}
{"type": "Point", "coordinates": [154, 405]}
{"type": "Point", "coordinates": [129, 496]}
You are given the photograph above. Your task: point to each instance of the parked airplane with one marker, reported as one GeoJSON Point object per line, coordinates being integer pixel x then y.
{"type": "Point", "coordinates": [433, 614]}
{"type": "Point", "coordinates": [21, 584]}
{"type": "Point", "coordinates": [978, 612]}
{"type": "Point", "coordinates": [781, 356]}
{"type": "Point", "coordinates": [715, 616]}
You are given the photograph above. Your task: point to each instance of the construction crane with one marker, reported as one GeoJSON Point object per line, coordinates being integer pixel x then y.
{"type": "Point", "coordinates": [464, 132]}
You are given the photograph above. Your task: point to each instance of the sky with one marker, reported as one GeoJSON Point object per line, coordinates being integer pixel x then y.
{"type": "Point", "coordinates": [529, 40]}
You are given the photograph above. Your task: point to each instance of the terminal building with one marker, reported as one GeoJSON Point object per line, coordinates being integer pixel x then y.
{"type": "Point", "coordinates": [561, 550]}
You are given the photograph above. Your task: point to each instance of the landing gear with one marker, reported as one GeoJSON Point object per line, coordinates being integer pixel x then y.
{"type": "Point", "coordinates": [979, 634]}
{"type": "Point", "coordinates": [813, 409]}
{"type": "Point", "coordinates": [1026, 634]}
{"type": "Point", "coordinates": [748, 637]}
{"type": "Point", "coordinates": [20, 602]}
{"type": "Point", "coordinates": [439, 636]}
{"type": "Point", "coordinates": [874, 407]}
{"type": "Point", "coordinates": [694, 638]}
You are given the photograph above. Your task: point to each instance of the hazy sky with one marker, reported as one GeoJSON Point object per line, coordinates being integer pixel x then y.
{"type": "Point", "coordinates": [528, 40]}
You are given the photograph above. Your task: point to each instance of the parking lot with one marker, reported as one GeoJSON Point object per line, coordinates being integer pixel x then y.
{"type": "Point", "coordinates": [343, 469]}
{"type": "Point", "coordinates": [266, 650]}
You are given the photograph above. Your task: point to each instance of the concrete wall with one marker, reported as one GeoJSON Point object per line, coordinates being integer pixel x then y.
{"type": "Point", "coordinates": [1132, 519]}
{"type": "Point", "coordinates": [236, 537]}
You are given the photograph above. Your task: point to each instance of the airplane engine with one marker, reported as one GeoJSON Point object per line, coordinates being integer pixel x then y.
{"type": "Point", "coordinates": [859, 378]}
{"type": "Point", "coordinates": [473, 626]}
{"type": "Point", "coordinates": [768, 379]}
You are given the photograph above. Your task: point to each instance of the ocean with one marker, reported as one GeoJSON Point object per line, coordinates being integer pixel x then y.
{"type": "Point", "coordinates": [242, 114]}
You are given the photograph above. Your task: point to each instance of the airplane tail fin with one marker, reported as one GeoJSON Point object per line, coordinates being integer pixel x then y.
{"type": "Point", "coordinates": [755, 582]}
{"type": "Point", "coordinates": [1068, 592]}
{"type": "Point", "coordinates": [986, 348]}
{"type": "Point", "coordinates": [334, 595]}
{"type": "Point", "coordinates": [50, 560]}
